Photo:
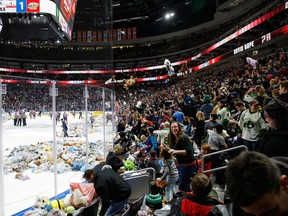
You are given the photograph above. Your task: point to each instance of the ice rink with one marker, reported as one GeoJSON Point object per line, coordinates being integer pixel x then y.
{"type": "Point", "coordinates": [21, 194]}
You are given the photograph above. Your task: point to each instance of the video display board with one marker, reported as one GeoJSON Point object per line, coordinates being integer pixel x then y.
{"type": "Point", "coordinates": [65, 15]}
{"type": "Point", "coordinates": [19, 6]}
{"type": "Point", "coordinates": [62, 10]}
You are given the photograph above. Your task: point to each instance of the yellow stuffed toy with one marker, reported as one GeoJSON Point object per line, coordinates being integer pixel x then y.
{"type": "Point", "coordinates": [129, 82]}
{"type": "Point", "coordinates": [47, 204]}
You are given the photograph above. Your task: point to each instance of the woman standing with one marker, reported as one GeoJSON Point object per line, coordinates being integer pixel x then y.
{"type": "Point", "coordinates": [182, 149]}
{"type": "Point", "coordinates": [199, 128]}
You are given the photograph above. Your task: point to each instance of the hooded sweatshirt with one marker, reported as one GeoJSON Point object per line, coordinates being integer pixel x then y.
{"type": "Point", "coordinates": [109, 186]}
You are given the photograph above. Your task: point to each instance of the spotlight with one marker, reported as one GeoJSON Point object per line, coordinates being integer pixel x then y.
{"type": "Point", "coordinates": [169, 15]}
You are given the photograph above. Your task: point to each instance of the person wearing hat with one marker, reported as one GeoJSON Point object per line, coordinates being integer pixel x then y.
{"type": "Point", "coordinates": [207, 106]}
{"type": "Point", "coordinates": [252, 125]}
{"type": "Point", "coordinates": [113, 190]}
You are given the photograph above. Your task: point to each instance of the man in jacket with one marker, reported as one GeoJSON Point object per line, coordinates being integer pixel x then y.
{"type": "Point", "coordinates": [113, 190]}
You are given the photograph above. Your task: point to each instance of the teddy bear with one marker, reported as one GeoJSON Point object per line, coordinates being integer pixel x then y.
{"type": "Point", "coordinates": [129, 82]}
{"type": "Point", "coordinates": [169, 67]}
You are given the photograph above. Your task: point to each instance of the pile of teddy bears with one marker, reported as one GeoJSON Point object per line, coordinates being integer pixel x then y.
{"type": "Point", "coordinates": [82, 195]}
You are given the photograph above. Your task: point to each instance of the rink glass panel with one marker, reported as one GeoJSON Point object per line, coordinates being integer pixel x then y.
{"type": "Point", "coordinates": [29, 148]}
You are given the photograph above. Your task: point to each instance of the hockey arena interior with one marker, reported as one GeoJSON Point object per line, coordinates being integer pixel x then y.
{"type": "Point", "coordinates": [143, 107]}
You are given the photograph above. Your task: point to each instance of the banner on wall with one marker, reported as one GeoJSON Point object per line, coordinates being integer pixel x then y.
{"type": "Point", "coordinates": [84, 36]}
{"type": "Point", "coordinates": [89, 36]}
{"type": "Point", "coordinates": [99, 36]}
{"type": "Point", "coordinates": [114, 34]}
{"type": "Point", "coordinates": [110, 35]}
{"type": "Point", "coordinates": [119, 34]}
{"type": "Point", "coordinates": [79, 36]}
{"type": "Point", "coordinates": [134, 33]}
{"type": "Point", "coordinates": [124, 34]}
{"type": "Point", "coordinates": [94, 37]}
{"type": "Point", "coordinates": [105, 36]}
{"type": "Point", "coordinates": [129, 33]}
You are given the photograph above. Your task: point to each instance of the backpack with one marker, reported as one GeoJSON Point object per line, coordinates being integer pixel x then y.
{"type": "Point", "coordinates": [210, 205]}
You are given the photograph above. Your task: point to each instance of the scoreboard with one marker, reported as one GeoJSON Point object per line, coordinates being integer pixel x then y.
{"type": "Point", "coordinates": [62, 11]}
{"type": "Point", "coordinates": [19, 6]}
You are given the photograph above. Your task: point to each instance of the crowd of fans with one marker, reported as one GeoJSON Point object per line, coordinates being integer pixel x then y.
{"type": "Point", "coordinates": [179, 122]}
{"type": "Point", "coordinates": [235, 105]}
{"type": "Point", "coordinates": [170, 125]}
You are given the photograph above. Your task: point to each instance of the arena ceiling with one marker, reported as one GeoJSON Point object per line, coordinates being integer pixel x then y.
{"type": "Point", "coordinates": [147, 15]}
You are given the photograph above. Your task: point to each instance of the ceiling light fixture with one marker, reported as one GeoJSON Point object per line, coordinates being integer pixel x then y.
{"type": "Point", "coordinates": [169, 15]}
{"type": "Point", "coordinates": [116, 4]}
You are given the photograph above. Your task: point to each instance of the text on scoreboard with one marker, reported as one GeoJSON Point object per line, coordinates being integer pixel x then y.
{"type": "Point", "coordinates": [19, 6]}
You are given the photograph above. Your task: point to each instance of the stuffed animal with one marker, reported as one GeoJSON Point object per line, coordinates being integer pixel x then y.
{"type": "Point", "coordinates": [128, 83]}
{"type": "Point", "coordinates": [70, 209]}
{"type": "Point", "coordinates": [184, 68]}
{"type": "Point", "coordinates": [169, 67]}
{"type": "Point", "coordinates": [47, 204]}
{"type": "Point", "coordinates": [252, 62]}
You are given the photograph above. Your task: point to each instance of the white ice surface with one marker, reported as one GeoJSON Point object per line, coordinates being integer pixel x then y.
{"type": "Point", "coordinates": [19, 195]}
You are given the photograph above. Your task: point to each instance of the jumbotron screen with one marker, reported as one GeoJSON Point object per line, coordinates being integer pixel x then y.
{"type": "Point", "coordinates": [66, 15]}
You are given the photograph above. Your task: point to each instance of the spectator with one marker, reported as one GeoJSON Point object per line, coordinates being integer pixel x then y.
{"type": "Point", "coordinates": [198, 201]}
{"type": "Point", "coordinates": [170, 173]}
{"type": "Point", "coordinates": [114, 158]}
{"type": "Point", "coordinates": [283, 89]}
{"type": "Point", "coordinates": [178, 115]}
{"type": "Point", "coordinates": [215, 140]}
{"type": "Point", "coordinates": [260, 95]}
{"type": "Point", "coordinates": [162, 135]}
{"type": "Point", "coordinates": [199, 128]}
{"type": "Point", "coordinates": [258, 184]}
{"type": "Point", "coordinates": [276, 140]}
{"type": "Point", "coordinates": [188, 126]}
{"type": "Point", "coordinates": [234, 121]}
{"type": "Point", "coordinates": [113, 190]}
{"type": "Point", "coordinates": [151, 141]}
{"type": "Point", "coordinates": [207, 107]}
{"type": "Point", "coordinates": [212, 122]}
{"type": "Point", "coordinates": [141, 148]}
{"type": "Point", "coordinates": [223, 114]}
{"type": "Point", "coordinates": [154, 198]}
{"type": "Point", "coordinates": [153, 161]}
{"type": "Point", "coordinates": [182, 148]}
{"type": "Point", "coordinates": [205, 149]}
{"type": "Point", "coordinates": [252, 126]}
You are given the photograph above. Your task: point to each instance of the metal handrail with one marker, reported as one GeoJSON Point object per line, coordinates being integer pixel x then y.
{"type": "Point", "coordinates": [219, 152]}
{"type": "Point", "coordinates": [125, 175]}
